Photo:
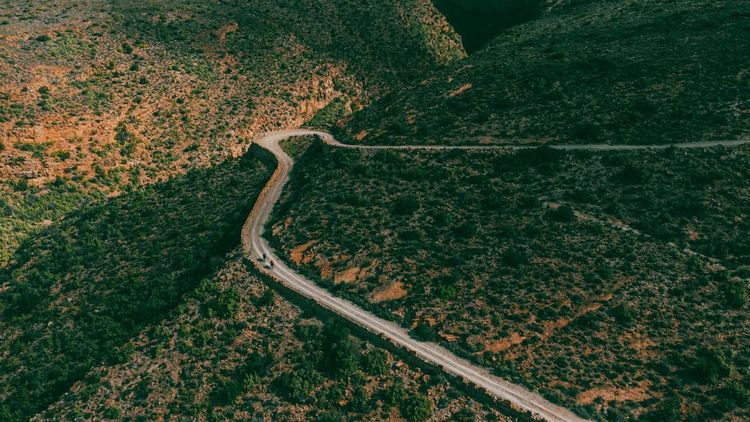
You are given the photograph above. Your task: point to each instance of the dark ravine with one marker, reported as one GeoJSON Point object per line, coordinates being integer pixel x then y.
{"type": "Point", "coordinates": [478, 21]}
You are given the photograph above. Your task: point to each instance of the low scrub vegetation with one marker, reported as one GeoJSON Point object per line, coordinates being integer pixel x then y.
{"type": "Point", "coordinates": [615, 71]}
{"type": "Point", "coordinates": [588, 276]}
{"type": "Point", "coordinates": [266, 360]}
{"type": "Point", "coordinates": [105, 97]}
{"type": "Point", "coordinates": [75, 294]}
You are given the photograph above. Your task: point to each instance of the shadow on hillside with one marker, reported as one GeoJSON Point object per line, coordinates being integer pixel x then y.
{"type": "Point", "coordinates": [374, 42]}
{"type": "Point", "coordinates": [479, 21]}
{"type": "Point", "coordinates": [83, 287]}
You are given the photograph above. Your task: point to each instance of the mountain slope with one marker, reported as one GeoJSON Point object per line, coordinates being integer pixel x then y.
{"type": "Point", "coordinates": [614, 283]}
{"type": "Point", "coordinates": [609, 71]}
{"type": "Point", "coordinates": [101, 97]}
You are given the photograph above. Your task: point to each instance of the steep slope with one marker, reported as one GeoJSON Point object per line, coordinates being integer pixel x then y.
{"type": "Point", "coordinates": [123, 130]}
{"type": "Point", "coordinates": [100, 97]}
{"type": "Point", "coordinates": [78, 291]}
{"type": "Point", "coordinates": [608, 71]}
{"type": "Point", "coordinates": [479, 21]}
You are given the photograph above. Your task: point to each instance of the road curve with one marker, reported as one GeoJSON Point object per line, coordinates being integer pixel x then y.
{"type": "Point", "coordinates": [255, 247]}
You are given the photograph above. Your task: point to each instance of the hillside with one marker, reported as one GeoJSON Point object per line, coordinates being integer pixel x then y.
{"type": "Point", "coordinates": [607, 71]}
{"type": "Point", "coordinates": [235, 350]}
{"type": "Point", "coordinates": [77, 292]}
{"type": "Point", "coordinates": [140, 306]}
{"type": "Point", "coordinates": [102, 97]}
{"type": "Point", "coordinates": [124, 175]}
{"type": "Point", "coordinates": [614, 283]}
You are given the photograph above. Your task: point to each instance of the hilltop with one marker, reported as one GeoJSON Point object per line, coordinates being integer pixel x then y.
{"type": "Point", "coordinates": [608, 71]}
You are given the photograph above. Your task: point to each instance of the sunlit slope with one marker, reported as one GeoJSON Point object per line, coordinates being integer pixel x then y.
{"type": "Point", "coordinates": [107, 96]}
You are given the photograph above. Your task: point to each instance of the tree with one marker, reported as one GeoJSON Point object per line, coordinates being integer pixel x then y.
{"type": "Point", "coordinates": [710, 365]}
{"type": "Point", "coordinates": [416, 408]}
{"type": "Point", "coordinates": [424, 331]}
{"type": "Point", "coordinates": [562, 214]}
{"type": "Point", "coordinates": [735, 292]}
{"type": "Point", "coordinates": [341, 354]}
{"type": "Point", "coordinates": [405, 205]}
{"type": "Point", "coordinates": [360, 400]}
{"type": "Point", "coordinates": [465, 230]}
{"type": "Point", "coordinates": [297, 386]}
{"type": "Point", "coordinates": [395, 394]}
{"type": "Point", "coordinates": [376, 362]}
{"type": "Point", "coordinates": [623, 314]}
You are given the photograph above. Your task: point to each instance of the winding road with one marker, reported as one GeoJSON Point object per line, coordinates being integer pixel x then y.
{"type": "Point", "coordinates": [255, 247]}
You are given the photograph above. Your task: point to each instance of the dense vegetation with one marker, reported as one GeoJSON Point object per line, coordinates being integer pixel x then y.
{"type": "Point", "coordinates": [76, 293]}
{"type": "Point", "coordinates": [107, 96]}
{"type": "Point", "coordinates": [525, 263]}
{"type": "Point", "coordinates": [607, 71]}
{"type": "Point", "coordinates": [234, 350]}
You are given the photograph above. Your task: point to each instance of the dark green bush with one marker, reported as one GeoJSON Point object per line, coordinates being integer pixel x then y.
{"type": "Point", "coordinates": [406, 205]}
{"type": "Point", "coordinates": [710, 365]}
{"type": "Point", "coordinates": [562, 214]}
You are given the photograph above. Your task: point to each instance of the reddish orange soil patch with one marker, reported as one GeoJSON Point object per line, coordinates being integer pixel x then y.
{"type": "Point", "coordinates": [450, 338]}
{"type": "Point", "coordinates": [225, 30]}
{"type": "Point", "coordinates": [692, 233]}
{"type": "Point", "coordinates": [347, 276]}
{"type": "Point", "coordinates": [551, 326]}
{"type": "Point", "coordinates": [361, 135]}
{"type": "Point", "coordinates": [637, 393]}
{"type": "Point", "coordinates": [460, 90]}
{"type": "Point", "coordinates": [393, 292]}
{"type": "Point", "coordinates": [297, 254]}
{"type": "Point", "coordinates": [504, 344]}
{"type": "Point", "coordinates": [326, 272]}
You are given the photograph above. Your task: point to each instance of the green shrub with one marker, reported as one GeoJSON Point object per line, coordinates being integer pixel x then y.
{"type": "Point", "coordinates": [562, 214]}
{"type": "Point", "coordinates": [465, 230]}
{"type": "Point", "coordinates": [297, 386]}
{"type": "Point", "coordinates": [340, 353]}
{"type": "Point", "coordinates": [735, 292]}
{"type": "Point", "coordinates": [425, 332]}
{"type": "Point", "coordinates": [623, 314]}
{"type": "Point", "coordinates": [586, 131]}
{"type": "Point", "coordinates": [226, 391]}
{"type": "Point", "coordinates": [630, 175]}
{"type": "Point", "coordinates": [406, 205]}
{"type": "Point", "coordinates": [710, 365]}
{"type": "Point", "coordinates": [416, 408]}
{"type": "Point", "coordinates": [515, 258]}
{"type": "Point", "coordinates": [375, 362]}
